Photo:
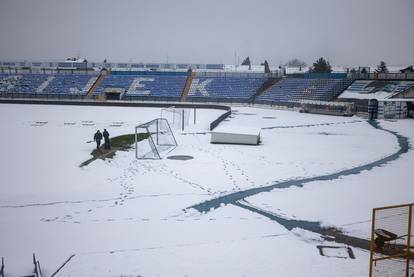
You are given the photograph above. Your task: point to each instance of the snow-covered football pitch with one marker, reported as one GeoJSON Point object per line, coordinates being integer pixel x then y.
{"type": "Point", "coordinates": [233, 210]}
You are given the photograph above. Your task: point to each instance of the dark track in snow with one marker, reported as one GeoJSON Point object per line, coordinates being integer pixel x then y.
{"type": "Point", "coordinates": [309, 125]}
{"type": "Point", "coordinates": [238, 198]}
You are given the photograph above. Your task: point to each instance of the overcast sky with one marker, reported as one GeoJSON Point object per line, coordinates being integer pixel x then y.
{"type": "Point", "coordinates": [351, 32]}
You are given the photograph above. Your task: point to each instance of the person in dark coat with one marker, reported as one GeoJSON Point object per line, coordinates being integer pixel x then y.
{"type": "Point", "coordinates": [106, 139]}
{"type": "Point", "coordinates": [97, 137]}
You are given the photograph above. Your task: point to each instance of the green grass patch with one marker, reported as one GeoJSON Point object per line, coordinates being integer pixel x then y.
{"type": "Point", "coordinates": [120, 143]}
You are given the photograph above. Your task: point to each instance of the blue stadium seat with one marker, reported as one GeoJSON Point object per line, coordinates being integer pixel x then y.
{"type": "Point", "coordinates": [69, 84]}
{"type": "Point", "coordinates": [224, 88]}
{"type": "Point", "coordinates": [293, 90]}
{"type": "Point", "coordinates": [145, 85]}
{"type": "Point", "coordinates": [46, 83]}
{"type": "Point", "coordinates": [21, 83]}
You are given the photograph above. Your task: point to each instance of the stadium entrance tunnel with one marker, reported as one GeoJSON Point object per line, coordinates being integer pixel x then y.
{"type": "Point", "coordinates": [113, 96]}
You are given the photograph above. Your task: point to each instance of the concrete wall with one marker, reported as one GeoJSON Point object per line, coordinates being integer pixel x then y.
{"type": "Point", "coordinates": [392, 109]}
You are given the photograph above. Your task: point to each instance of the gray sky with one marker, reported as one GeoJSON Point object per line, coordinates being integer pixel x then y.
{"type": "Point", "coordinates": [351, 32]}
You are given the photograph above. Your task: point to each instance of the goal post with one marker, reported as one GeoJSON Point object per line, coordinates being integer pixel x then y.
{"type": "Point", "coordinates": [179, 118]}
{"type": "Point", "coordinates": [154, 139]}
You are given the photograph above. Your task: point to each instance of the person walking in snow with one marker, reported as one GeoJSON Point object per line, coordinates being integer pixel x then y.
{"type": "Point", "coordinates": [97, 137]}
{"type": "Point", "coordinates": [106, 139]}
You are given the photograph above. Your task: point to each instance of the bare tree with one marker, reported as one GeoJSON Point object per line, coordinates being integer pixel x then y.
{"type": "Point", "coordinates": [295, 62]}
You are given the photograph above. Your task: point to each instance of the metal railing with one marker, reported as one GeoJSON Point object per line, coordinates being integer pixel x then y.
{"type": "Point", "coordinates": [392, 244]}
{"type": "Point", "coordinates": [107, 65]}
{"type": "Point", "coordinates": [37, 270]}
{"type": "Point", "coordinates": [49, 71]}
{"type": "Point", "coordinates": [231, 74]}
{"type": "Point", "coordinates": [216, 122]}
{"type": "Point", "coordinates": [46, 96]}
{"type": "Point", "coordinates": [382, 76]}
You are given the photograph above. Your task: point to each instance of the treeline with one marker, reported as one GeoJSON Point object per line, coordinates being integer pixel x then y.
{"type": "Point", "coordinates": [321, 65]}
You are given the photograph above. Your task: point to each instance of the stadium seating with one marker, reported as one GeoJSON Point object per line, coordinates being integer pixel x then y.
{"type": "Point", "coordinates": [369, 86]}
{"type": "Point", "coordinates": [290, 90]}
{"type": "Point", "coordinates": [145, 85]}
{"type": "Point", "coordinates": [114, 81]}
{"type": "Point", "coordinates": [151, 85]}
{"type": "Point", "coordinates": [403, 86]}
{"type": "Point", "coordinates": [46, 83]}
{"type": "Point", "coordinates": [21, 83]}
{"type": "Point", "coordinates": [360, 86]}
{"type": "Point", "coordinates": [378, 89]}
{"type": "Point", "coordinates": [224, 88]}
{"type": "Point", "coordinates": [69, 83]}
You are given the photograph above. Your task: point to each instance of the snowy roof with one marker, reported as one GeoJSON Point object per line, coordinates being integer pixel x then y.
{"type": "Point", "coordinates": [292, 70]}
{"type": "Point", "coordinates": [75, 60]}
{"type": "Point", "coordinates": [338, 69]}
{"type": "Point", "coordinates": [373, 89]}
{"type": "Point", "coordinates": [379, 95]}
{"type": "Point", "coordinates": [244, 68]}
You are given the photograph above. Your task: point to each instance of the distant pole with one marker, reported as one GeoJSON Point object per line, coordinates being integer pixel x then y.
{"type": "Point", "coordinates": [157, 128]}
{"type": "Point", "coordinates": [235, 60]}
{"type": "Point", "coordinates": [195, 115]}
{"type": "Point", "coordinates": [136, 142]}
{"type": "Point", "coordinates": [182, 120]}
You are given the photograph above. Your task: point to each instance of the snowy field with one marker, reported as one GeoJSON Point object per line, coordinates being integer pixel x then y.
{"type": "Point", "coordinates": [154, 218]}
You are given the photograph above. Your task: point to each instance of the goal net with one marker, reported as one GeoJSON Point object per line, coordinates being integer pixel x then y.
{"type": "Point", "coordinates": [178, 118]}
{"type": "Point", "coordinates": [154, 139]}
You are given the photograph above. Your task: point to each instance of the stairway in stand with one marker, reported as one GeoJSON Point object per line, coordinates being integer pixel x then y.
{"type": "Point", "coordinates": [187, 86]}
{"type": "Point", "coordinates": [268, 84]}
{"type": "Point", "coordinates": [98, 81]}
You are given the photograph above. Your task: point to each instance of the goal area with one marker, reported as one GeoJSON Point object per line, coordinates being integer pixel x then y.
{"type": "Point", "coordinates": [154, 139]}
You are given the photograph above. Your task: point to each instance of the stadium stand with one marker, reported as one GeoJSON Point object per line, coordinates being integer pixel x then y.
{"type": "Point", "coordinates": [46, 83]}
{"type": "Point", "coordinates": [114, 82]}
{"type": "Point", "coordinates": [228, 88]}
{"type": "Point", "coordinates": [376, 89]}
{"type": "Point", "coordinates": [187, 86]}
{"type": "Point", "coordinates": [21, 83]}
{"type": "Point", "coordinates": [295, 89]}
{"type": "Point", "coordinates": [69, 83]}
{"type": "Point", "coordinates": [140, 85]}
{"type": "Point", "coordinates": [308, 92]}
{"type": "Point", "coordinates": [266, 85]}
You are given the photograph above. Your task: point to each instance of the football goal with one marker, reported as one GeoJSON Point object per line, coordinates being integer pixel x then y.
{"type": "Point", "coordinates": [154, 139]}
{"type": "Point", "coordinates": [178, 118]}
